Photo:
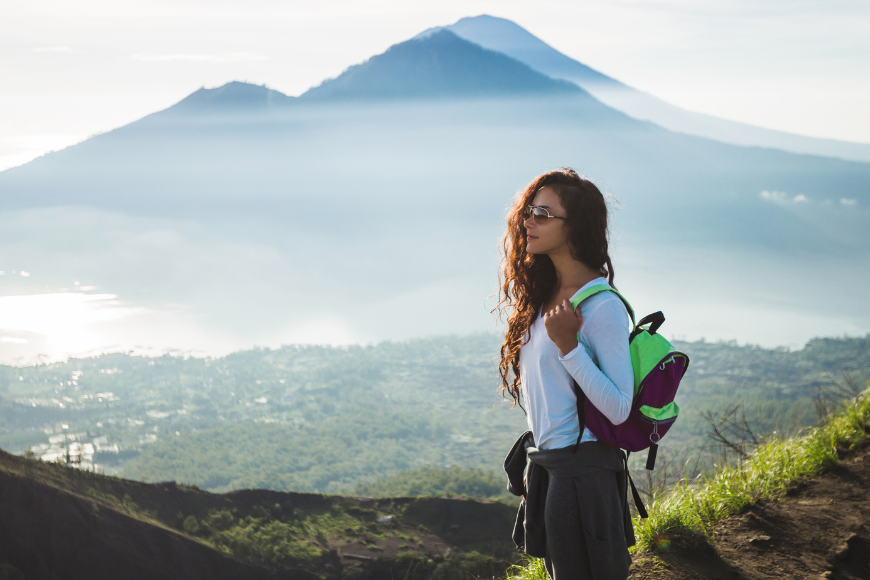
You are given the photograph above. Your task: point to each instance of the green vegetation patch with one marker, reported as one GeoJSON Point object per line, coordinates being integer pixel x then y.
{"type": "Point", "coordinates": [768, 472]}
{"type": "Point", "coordinates": [328, 455]}
{"type": "Point", "coordinates": [444, 482]}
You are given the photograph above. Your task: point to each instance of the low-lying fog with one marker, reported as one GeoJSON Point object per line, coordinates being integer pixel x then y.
{"type": "Point", "coordinates": [381, 222]}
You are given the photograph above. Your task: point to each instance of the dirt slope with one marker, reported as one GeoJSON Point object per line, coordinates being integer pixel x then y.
{"type": "Point", "coordinates": [821, 529]}
{"type": "Point", "coordinates": [61, 523]}
{"type": "Point", "coordinates": [48, 534]}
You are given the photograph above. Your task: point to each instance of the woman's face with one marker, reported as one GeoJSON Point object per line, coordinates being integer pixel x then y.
{"type": "Point", "coordinates": [551, 236]}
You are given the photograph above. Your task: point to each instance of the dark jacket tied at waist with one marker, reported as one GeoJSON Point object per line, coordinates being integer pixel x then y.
{"type": "Point", "coordinates": [594, 466]}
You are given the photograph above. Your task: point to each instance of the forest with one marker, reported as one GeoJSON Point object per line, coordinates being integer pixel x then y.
{"type": "Point", "coordinates": [421, 417]}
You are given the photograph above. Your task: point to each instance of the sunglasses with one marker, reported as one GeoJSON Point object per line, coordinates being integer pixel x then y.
{"type": "Point", "coordinates": [540, 214]}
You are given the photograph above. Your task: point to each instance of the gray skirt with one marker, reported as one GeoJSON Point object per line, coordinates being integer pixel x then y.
{"type": "Point", "coordinates": [586, 517]}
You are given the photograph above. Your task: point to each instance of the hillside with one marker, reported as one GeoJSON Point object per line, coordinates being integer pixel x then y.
{"type": "Point", "coordinates": [57, 522]}
{"type": "Point", "coordinates": [818, 530]}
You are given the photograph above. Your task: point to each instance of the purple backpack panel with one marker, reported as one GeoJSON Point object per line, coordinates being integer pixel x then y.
{"type": "Point", "coordinates": [641, 430]}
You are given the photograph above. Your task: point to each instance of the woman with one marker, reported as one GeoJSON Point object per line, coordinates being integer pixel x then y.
{"type": "Point", "coordinates": [555, 247]}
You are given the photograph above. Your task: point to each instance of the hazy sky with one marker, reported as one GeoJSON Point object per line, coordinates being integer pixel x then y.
{"type": "Point", "coordinates": [72, 69]}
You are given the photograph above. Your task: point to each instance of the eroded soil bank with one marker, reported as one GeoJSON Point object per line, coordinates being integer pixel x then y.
{"type": "Point", "coordinates": [820, 529]}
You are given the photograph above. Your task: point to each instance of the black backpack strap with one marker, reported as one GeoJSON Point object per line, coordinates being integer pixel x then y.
{"type": "Point", "coordinates": [651, 456]}
{"type": "Point", "coordinates": [638, 503]}
{"type": "Point", "coordinates": [581, 413]}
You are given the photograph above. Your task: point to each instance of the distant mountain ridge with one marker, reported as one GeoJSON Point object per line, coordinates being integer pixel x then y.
{"type": "Point", "coordinates": [437, 65]}
{"type": "Point", "coordinates": [511, 39]}
{"type": "Point", "coordinates": [233, 96]}
{"type": "Point", "coordinates": [440, 64]}
{"type": "Point", "coordinates": [486, 56]}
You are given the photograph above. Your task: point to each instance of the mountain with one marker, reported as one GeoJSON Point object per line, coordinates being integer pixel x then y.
{"type": "Point", "coordinates": [369, 210]}
{"type": "Point", "coordinates": [440, 64]}
{"type": "Point", "coordinates": [507, 37]}
{"type": "Point", "coordinates": [233, 97]}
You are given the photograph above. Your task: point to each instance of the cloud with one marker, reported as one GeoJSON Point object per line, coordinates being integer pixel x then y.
{"type": "Point", "coordinates": [52, 49]}
{"type": "Point", "coordinates": [197, 57]}
{"type": "Point", "coordinates": [848, 201]}
{"type": "Point", "coordinates": [774, 195]}
{"type": "Point", "coordinates": [781, 196]}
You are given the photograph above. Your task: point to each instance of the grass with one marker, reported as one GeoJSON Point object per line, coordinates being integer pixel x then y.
{"type": "Point", "coordinates": [529, 569]}
{"type": "Point", "coordinates": [695, 507]}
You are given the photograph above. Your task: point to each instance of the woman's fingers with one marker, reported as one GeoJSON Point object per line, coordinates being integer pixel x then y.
{"type": "Point", "coordinates": [562, 326]}
{"type": "Point", "coordinates": [564, 308]}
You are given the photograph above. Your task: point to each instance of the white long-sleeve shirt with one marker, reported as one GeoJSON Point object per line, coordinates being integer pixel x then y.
{"type": "Point", "coordinates": [601, 365]}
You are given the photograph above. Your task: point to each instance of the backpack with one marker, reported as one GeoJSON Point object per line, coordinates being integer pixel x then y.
{"type": "Point", "coordinates": [658, 368]}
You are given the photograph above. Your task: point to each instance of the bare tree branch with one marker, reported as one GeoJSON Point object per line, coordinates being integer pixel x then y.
{"type": "Point", "coordinates": [732, 431]}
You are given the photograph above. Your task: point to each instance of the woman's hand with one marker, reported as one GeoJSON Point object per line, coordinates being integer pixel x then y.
{"type": "Point", "coordinates": [562, 324]}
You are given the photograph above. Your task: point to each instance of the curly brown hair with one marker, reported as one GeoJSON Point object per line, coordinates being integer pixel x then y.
{"type": "Point", "coordinates": [528, 280]}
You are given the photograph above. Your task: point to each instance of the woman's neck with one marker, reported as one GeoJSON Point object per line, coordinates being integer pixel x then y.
{"type": "Point", "coordinates": [571, 275]}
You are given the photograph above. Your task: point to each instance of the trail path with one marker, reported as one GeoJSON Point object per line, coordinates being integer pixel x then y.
{"type": "Point", "coordinates": [821, 529]}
